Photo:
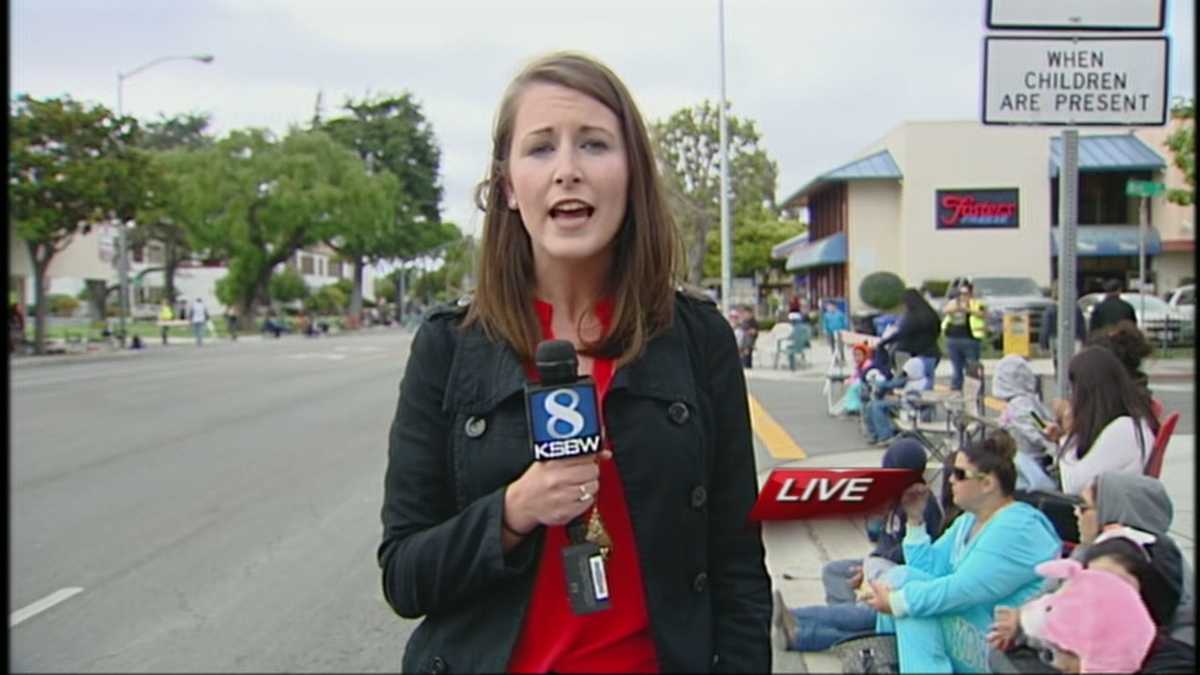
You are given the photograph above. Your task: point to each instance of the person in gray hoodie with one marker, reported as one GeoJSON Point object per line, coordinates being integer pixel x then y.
{"type": "Point", "coordinates": [1016, 385]}
{"type": "Point", "coordinates": [1141, 502]}
{"type": "Point", "coordinates": [1114, 501]}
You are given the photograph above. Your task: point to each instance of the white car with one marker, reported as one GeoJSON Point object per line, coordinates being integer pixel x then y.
{"type": "Point", "coordinates": [1183, 300]}
{"type": "Point", "coordinates": [1161, 322]}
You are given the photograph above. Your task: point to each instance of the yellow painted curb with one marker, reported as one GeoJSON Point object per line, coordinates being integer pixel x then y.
{"type": "Point", "coordinates": [779, 443]}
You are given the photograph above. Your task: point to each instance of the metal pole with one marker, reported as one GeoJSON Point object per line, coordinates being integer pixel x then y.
{"type": "Point", "coordinates": [123, 261]}
{"type": "Point", "coordinates": [726, 236]}
{"type": "Point", "coordinates": [1142, 222]}
{"type": "Point", "coordinates": [1069, 209]}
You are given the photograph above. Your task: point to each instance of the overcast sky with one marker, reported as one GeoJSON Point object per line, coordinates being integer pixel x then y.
{"type": "Point", "coordinates": [823, 78]}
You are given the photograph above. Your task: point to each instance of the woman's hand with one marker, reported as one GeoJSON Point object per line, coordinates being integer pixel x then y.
{"type": "Point", "coordinates": [1005, 627]}
{"type": "Point", "coordinates": [878, 599]}
{"type": "Point", "coordinates": [552, 493]}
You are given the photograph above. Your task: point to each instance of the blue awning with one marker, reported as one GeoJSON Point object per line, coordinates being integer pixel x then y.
{"type": "Point", "coordinates": [1096, 241]}
{"type": "Point", "coordinates": [877, 166]}
{"type": "Point", "coordinates": [828, 251]}
{"type": "Point", "coordinates": [1122, 152]}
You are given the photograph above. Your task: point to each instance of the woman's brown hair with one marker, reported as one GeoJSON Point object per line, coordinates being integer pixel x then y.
{"type": "Point", "coordinates": [1102, 391]}
{"type": "Point", "coordinates": [646, 258]}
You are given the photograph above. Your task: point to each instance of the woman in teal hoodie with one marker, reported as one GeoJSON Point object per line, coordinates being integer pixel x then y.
{"type": "Point", "coordinates": [940, 604]}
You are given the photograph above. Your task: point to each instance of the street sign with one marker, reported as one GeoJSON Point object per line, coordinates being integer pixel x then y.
{"type": "Point", "coordinates": [1144, 188]}
{"type": "Point", "coordinates": [1106, 15]}
{"type": "Point", "coordinates": [1075, 81]}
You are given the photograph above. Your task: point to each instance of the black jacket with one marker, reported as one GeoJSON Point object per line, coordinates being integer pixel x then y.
{"type": "Point", "coordinates": [679, 421]}
{"type": "Point", "coordinates": [1109, 311]}
{"type": "Point", "coordinates": [1050, 326]}
{"type": "Point", "coordinates": [917, 338]}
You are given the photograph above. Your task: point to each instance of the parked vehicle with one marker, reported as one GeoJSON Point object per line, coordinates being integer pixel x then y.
{"type": "Point", "coordinates": [1183, 301]}
{"type": "Point", "coordinates": [1006, 294]}
{"type": "Point", "coordinates": [1160, 323]}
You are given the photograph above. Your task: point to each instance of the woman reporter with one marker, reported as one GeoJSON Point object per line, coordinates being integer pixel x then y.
{"type": "Point", "coordinates": [578, 244]}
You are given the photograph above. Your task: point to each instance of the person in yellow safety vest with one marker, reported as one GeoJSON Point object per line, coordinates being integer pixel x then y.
{"type": "Point", "coordinates": [965, 327]}
{"type": "Point", "coordinates": [165, 313]}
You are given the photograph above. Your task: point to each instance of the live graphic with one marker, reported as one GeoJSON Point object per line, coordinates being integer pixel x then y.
{"type": "Point", "coordinates": [794, 494]}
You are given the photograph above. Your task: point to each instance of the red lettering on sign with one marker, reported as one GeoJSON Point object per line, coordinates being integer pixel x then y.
{"type": "Point", "coordinates": [966, 207]}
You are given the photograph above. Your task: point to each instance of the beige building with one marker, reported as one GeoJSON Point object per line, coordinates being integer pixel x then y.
{"type": "Point", "coordinates": [938, 200]}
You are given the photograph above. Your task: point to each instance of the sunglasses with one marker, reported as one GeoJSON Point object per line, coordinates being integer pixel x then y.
{"type": "Point", "coordinates": [962, 474]}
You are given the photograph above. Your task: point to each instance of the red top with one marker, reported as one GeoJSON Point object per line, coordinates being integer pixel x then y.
{"type": "Point", "coordinates": [618, 639]}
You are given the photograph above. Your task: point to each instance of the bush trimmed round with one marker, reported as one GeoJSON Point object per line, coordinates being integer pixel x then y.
{"type": "Point", "coordinates": [881, 290]}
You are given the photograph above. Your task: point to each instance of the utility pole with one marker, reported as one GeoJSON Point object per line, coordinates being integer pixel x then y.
{"type": "Point", "coordinates": [726, 236]}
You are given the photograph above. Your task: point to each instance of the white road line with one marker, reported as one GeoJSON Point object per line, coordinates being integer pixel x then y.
{"type": "Point", "coordinates": [42, 605]}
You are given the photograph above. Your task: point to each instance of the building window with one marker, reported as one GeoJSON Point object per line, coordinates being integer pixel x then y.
{"type": "Point", "coordinates": [321, 266]}
{"type": "Point", "coordinates": [306, 264]}
{"type": "Point", "coordinates": [155, 254]}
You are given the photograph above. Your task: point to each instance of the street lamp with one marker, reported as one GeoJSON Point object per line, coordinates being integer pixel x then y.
{"type": "Point", "coordinates": [124, 249]}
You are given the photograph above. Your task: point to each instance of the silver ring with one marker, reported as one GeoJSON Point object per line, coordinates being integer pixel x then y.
{"type": "Point", "coordinates": [583, 494]}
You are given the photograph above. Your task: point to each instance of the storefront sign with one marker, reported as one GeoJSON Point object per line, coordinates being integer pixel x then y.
{"type": "Point", "coordinates": [976, 209]}
{"type": "Point", "coordinates": [1076, 14]}
{"type": "Point", "coordinates": [1075, 81]}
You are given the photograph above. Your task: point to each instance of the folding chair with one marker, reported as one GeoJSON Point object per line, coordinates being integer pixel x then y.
{"type": "Point", "coordinates": [1155, 462]}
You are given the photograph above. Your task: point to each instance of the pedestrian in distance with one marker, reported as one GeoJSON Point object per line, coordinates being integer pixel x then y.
{"type": "Point", "coordinates": [579, 244]}
{"type": "Point", "coordinates": [832, 321]}
{"type": "Point", "coordinates": [918, 332]}
{"type": "Point", "coordinates": [1048, 339]}
{"type": "Point", "coordinates": [1112, 309]}
{"type": "Point", "coordinates": [965, 327]}
{"type": "Point", "coordinates": [165, 313]}
{"type": "Point", "coordinates": [199, 320]}
{"type": "Point", "coordinates": [231, 322]}
{"type": "Point", "coordinates": [749, 328]}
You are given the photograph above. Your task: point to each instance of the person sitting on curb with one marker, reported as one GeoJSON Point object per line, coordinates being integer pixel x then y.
{"type": "Point", "coordinates": [1113, 503]}
{"type": "Point", "coordinates": [941, 601]}
{"type": "Point", "coordinates": [851, 402]}
{"type": "Point", "coordinates": [818, 627]}
{"type": "Point", "coordinates": [911, 380]}
{"type": "Point", "coordinates": [1016, 384]}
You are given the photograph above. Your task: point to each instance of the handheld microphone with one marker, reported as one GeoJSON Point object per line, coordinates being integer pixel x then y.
{"type": "Point", "coordinates": [564, 420]}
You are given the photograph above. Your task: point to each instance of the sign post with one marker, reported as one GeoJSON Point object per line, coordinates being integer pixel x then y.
{"type": "Point", "coordinates": [1145, 190]}
{"type": "Point", "coordinates": [1070, 80]}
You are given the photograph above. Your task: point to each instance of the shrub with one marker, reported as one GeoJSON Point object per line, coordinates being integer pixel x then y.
{"type": "Point", "coordinates": [881, 290]}
{"type": "Point", "coordinates": [61, 304]}
{"type": "Point", "coordinates": [326, 300]}
{"type": "Point", "coordinates": [287, 286]}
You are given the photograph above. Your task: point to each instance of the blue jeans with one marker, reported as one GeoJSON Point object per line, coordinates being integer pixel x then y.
{"type": "Point", "coordinates": [931, 363]}
{"type": "Point", "coordinates": [879, 419]}
{"type": "Point", "coordinates": [821, 626]}
{"type": "Point", "coordinates": [198, 328]}
{"type": "Point", "coordinates": [962, 350]}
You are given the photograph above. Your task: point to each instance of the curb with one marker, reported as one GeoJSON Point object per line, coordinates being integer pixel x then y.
{"type": "Point", "coordinates": [103, 355]}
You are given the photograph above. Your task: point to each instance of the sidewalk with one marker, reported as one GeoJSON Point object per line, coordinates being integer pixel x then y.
{"type": "Point", "coordinates": [819, 358]}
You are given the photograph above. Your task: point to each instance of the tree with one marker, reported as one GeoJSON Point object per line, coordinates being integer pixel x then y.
{"type": "Point", "coordinates": [261, 200]}
{"type": "Point", "coordinates": [392, 137]}
{"type": "Point", "coordinates": [164, 217]}
{"type": "Point", "coordinates": [1182, 144]}
{"type": "Point", "coordinates": [69, 166]}
{"type": "Point", "coordinates": [688, 147]}
{"type": "Point", "coordinates": [752, 244]}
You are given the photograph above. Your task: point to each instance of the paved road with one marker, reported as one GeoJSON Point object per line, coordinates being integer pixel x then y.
{"type": "Point", "coordinates": [219, 507]}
